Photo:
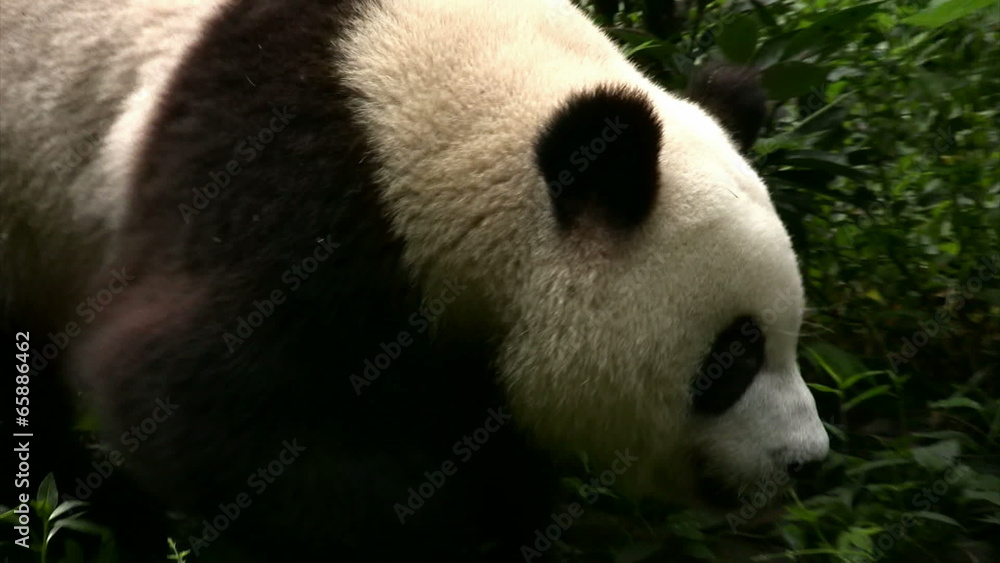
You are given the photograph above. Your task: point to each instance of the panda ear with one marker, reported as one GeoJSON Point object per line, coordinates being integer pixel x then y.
{"type": "Point", "coordinates": [599, 155]}
{"type": "Point", "coordinates": [734, 96]}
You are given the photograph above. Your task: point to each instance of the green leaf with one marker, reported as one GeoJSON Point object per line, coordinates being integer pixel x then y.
{"type": "Point", "coordinates": [869, 394]}
{"type": "Point", "coordinates": [893, 488]}
{"type": "Point", "coordinates": [854, 537]}
{"type": "Point", "coordinates": [661, 51]}
{"type": "Point", "coordinates": [850, 381]}
{"type": "Point", "coordinates": [738, 39]}
{"type": "Point", "coordinates": [630, 36]}
{"type": "Point", "coordinates": [826, 389]}
{"type": "Point", "coordinates": [819, 359]}
{"type": "Point", "coordinates": [773, 50]}
{"type": "Point", "coordinates": [834, 499]}
{"type": "Point", "coordinates": [174, 554]}
{"type": "Point", "coordinates": [687, 529]}
{"type": "Point", "coordinates": [936, 457]}
{"type": "Point", "coordinates": [935, 516]}
{"type": "Point", "coordinates": [956, 402]}
{"type": "Point", "coordinates": [803, 513]}
{"type": "Point", "coordinates": [48, 496]}
{"type": "Point", "coordinates": [66, 507]}
{"type": "Point", "coordinates": [843, 367]}
{"type": "Point", "coordinates": [835, 431]}
{"type": "Point", "coordinates": [988, 496]}
{"type": "Point", "coordinates": [952, 248]}
{"type": "Point", "coordinates": [822, 33]}
{"type": "Point", "coordinates": [946, 435]}
{"type": "Point", "coordinates": [791, 79]}
{"type": "Point", "coordinates": [982, 481]}
{"type": "Point", "coordinates": [793, 536]}
{"type": "Point", "coordinates": [9, 517]}
{"type": "Point", "coordinates": [652, 43]}
{"type": "Point", "coordinates": [817, 160]}
{"type": "Point", "coordinates": [75, 523]}
{"type": "Point", "coordinates": [991, 519]}
{"type": "Point", "coordinates": [877, 464]}
{"type": "Point", "coordinates": [947, 12]}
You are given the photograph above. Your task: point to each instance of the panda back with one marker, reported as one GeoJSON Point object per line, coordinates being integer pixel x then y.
{"type": "Point", "coordinates": [79, 82]}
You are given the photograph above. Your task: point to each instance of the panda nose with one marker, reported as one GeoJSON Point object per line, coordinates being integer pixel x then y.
{"type": "Point", "coordinates": [804, 470]}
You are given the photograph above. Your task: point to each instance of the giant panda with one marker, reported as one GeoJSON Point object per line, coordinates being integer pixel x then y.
{"type": "Point", "coordinates": [354, 276]}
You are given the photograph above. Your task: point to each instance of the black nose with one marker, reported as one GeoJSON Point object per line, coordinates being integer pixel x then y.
{"type": "Point", "coordinates": [804, 470]}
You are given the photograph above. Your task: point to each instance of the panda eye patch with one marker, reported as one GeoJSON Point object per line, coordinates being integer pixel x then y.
{"type": "Point", "coordinates": [729, 367]}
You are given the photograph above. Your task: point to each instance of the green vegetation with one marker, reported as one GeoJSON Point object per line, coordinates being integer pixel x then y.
{"type": "Point", "coordinates": [882, 150]}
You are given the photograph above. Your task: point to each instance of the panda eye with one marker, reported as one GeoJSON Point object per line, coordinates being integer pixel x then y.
{"type": "Point", "coordinates": [729, 367]}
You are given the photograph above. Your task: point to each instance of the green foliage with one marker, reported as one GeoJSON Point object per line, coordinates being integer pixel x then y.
{"type": "Point", "coordinates": [947, 12]}
{"type": "Point", "coordinates": [49, 516]}
{"type": "Point", "coordinates": [175, 555]}
{"type": "Point", "coordinates": [882, 151]}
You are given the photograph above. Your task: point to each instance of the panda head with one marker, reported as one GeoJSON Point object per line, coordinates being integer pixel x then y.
{"type": "Point", "coordinates": [618, 252]}
{"type": "Point", "coordinates": [656, 305]}
{"type": "Point", "coordinates": [662, 311]}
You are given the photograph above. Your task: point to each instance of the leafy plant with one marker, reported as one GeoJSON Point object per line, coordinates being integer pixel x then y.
{"type": "Point", "coordinates": [175, 555]}
{"type": "Point", "coordinates": [882, 151]}
{"type": "Point", "coordinates": [55, 516]}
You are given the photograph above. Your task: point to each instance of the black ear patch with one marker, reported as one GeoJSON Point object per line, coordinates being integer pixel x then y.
{"type": "Point", "coordinates": [599, 155]}
{"type": "Point", "coordinates": [734, 95]}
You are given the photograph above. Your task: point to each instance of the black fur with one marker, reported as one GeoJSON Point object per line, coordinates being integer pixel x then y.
{"type": "Point", "coordinates": [290, 380]}
{"type": "Point", "coordinates": [55, 445]}
{"type": "Point", "coordinates": [599, 156]}
{"type": "Point", "coordinates": [734, 95]}
{"type": "Point", "coordinates": [729, 367]}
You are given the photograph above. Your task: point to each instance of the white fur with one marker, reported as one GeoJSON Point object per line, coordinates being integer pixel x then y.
{"type": "Point", "coordinates": [600, 338]}
{"type": "Point", "coordinates": [108, 64]}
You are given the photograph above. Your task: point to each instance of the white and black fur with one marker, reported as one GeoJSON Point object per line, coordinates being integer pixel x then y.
{"type": "Point", "coordinates": [436, 144]}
